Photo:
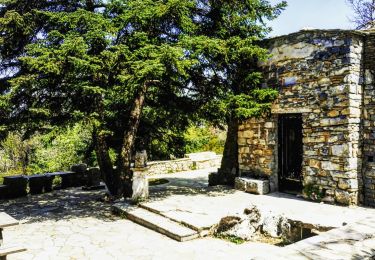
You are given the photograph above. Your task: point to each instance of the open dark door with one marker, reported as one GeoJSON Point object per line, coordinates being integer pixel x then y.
{"type": "Point", "coordinates": [290, 153]}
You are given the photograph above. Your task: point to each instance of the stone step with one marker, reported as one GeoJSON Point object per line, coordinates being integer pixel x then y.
{"type": "Point", "coordinates": [157, 222]}
{"type": "Point", "coordinates": [148, 208]}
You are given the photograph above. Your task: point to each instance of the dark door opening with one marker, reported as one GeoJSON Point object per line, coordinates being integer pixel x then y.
{"type": "Point", "coordinates": [290, 153]}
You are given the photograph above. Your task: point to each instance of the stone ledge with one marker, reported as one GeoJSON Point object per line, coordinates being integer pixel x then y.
{"type": "Point", "coordinates": [253, 186]}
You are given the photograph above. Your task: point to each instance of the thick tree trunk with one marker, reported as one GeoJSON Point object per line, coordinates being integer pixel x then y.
{"type": "Point", "coordinates": [229, 164]}
{"type": "Point", "coordinates": [128, 141]}
{"type": "Point", "coordinates": [110, 176]}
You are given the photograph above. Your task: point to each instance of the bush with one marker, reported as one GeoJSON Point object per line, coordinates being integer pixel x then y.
{"type": "Point", "coordinates": [55, 151]}
{"type": "Point", "coordinates": [204, 138]}
{"type": "Point", "coordinates": [56, 182]}
{"type": "Point", "coordinates": [313, 192]}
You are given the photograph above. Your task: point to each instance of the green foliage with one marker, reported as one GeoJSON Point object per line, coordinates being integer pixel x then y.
{"type": "Point", "coordinates": [16, 153]}
{"type": "Point", "coordinates": [231, 238]}
{"type": "Point", "coordinates": [204, 138]}
{"type": "Point", "coordinates": [55, 151]}
{"type": "Point", "coordinates": [67, 61]}
{"type": "Point", "coordinates": [313, 192]}
{"type": "Point", "coordinates": [57, 181]}
{"type": "Point", "coordinates": [61, 150]}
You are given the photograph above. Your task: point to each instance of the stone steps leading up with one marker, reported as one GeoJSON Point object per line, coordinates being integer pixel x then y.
{"type": "Point", "coordinates": [156, 222]}
{"type": "Point", "coordinates": [202, 232]}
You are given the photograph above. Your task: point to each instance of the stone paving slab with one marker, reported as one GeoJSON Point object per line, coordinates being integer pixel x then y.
{"type": "Point", "coordinates": [157, 222]}
{"type": "Point", "coordinates": [354, 241]}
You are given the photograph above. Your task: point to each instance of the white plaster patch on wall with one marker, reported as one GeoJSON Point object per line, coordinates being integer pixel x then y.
{"type": "Point", "coordinates": [299, 50]}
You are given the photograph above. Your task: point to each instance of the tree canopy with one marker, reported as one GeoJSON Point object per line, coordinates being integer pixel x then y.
{"type": "Point", "coordinates": [132, 68]}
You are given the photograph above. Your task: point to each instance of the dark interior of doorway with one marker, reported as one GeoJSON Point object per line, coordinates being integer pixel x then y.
{"type": "Point", "coordinates": [290, 147]}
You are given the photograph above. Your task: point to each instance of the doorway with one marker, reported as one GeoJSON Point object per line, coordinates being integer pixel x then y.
{"type": "Point", "coordinates": [290, 153]}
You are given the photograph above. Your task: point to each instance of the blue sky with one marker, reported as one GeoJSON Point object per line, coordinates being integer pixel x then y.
{"type": "Point", "coordinates": [318, 14]}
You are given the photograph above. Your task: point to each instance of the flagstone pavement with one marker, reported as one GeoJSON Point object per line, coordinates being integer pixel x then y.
{"type": "Point", "coordinates": [76, 224]}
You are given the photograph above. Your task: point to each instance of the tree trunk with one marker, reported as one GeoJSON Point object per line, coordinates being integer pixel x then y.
{"type": "Point", "coordinates": [110, 176]}
{"type": "Point", "coordinates": [229, 164]}
{"type": "Point", "coordinates": [128, 141]}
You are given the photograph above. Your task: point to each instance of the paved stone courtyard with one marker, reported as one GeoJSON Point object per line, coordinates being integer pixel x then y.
{"type": "Point", "coordinates": [75, 224]}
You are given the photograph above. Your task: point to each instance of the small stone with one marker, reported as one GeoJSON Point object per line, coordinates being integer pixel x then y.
{"type": "Point", "coordinates": [333, 113]}
{"type": "Point", "coordinates": [340, 150]}
{"type": "Point", "coordinates": [328, 199]}
{"type": "Point", "coordinates": [330, 166]}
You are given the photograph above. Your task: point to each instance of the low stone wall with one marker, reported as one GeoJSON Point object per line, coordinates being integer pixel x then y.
{"type": "Point", "coordinates": [193, 162]}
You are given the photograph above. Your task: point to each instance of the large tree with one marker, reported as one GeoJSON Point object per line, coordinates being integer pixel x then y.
{"type": "Point", "coordinates": [227, 45]}
{"type": "Point", "coordinates": [106, 62]}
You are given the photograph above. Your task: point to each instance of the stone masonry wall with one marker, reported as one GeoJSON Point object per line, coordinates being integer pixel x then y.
{"type": "Point", "coordinates": [369, 121]}
{"type": "Point", "coordinates": [257, 140]}
{"type": "Point", "coordinates": [318, 75]}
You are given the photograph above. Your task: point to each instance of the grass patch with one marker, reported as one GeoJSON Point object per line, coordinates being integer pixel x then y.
{"type": "Point", "coordinates": [155, 182]}
{"type": "Point", "coordinates": [232, 239]}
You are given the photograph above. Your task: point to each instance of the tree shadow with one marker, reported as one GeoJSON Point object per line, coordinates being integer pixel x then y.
{"type": "Point", "coordinates": [189, 187]}
{"type": "Point", "coordinates": [59, 205]}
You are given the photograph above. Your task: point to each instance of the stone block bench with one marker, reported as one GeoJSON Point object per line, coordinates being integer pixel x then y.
{"type": "Point", "coordinates": [16, 186]}
{"type": "Point", "coordinates": [67, 178]}
{"type": "Point", "coordinates": [3, 192]}
{"type": "Point", "coordinates": [37, 183]}
{"type": "Point", "coordinates": [251, 185]}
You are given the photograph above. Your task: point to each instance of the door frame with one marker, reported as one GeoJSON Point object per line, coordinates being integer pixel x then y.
{"type": "Point", "coordinates": [288, 186]}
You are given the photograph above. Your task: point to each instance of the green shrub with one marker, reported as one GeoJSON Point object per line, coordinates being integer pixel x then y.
{"type": "Point", "coordinates": [54, 151]}
{"type": "Point", "coordinates": [231, 238]}
{"type": "Point", "coordinates": [204, 138]}
{"type": "Point", "coordinates": [313, 192]}
{"type": "Point", "coordinates": [57, 181]}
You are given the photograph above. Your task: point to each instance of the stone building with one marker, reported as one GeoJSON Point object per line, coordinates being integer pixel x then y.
{"type": "Point", "coordinates": [320, 136]}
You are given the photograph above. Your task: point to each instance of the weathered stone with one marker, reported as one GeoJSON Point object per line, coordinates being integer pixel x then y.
{"type": "Point", "coordinates": [346, 184]}
{"type": "Point", "coordinates": [250, 185]}
{"type": "Point", "coordinates": [272, 225]}
{"type": "Point", "coordinates": [240, 184]}
{"type": "Point", "coordinates": [140, 185]}
{"type": "Point", "coordinates": [333, 113]}
{"type": "Point", "coordinates": [140, 159]}
{"type": "Point", "coordinates": [79, 168]}
{"type": "Point", "coordinates": [340, 150]}
{"type": "Point", "coordinates": [330, 166]}
{"type": "Point", "coordinates": [314, 163]}
{"type": "Point", "coordinates": [342, 197]}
